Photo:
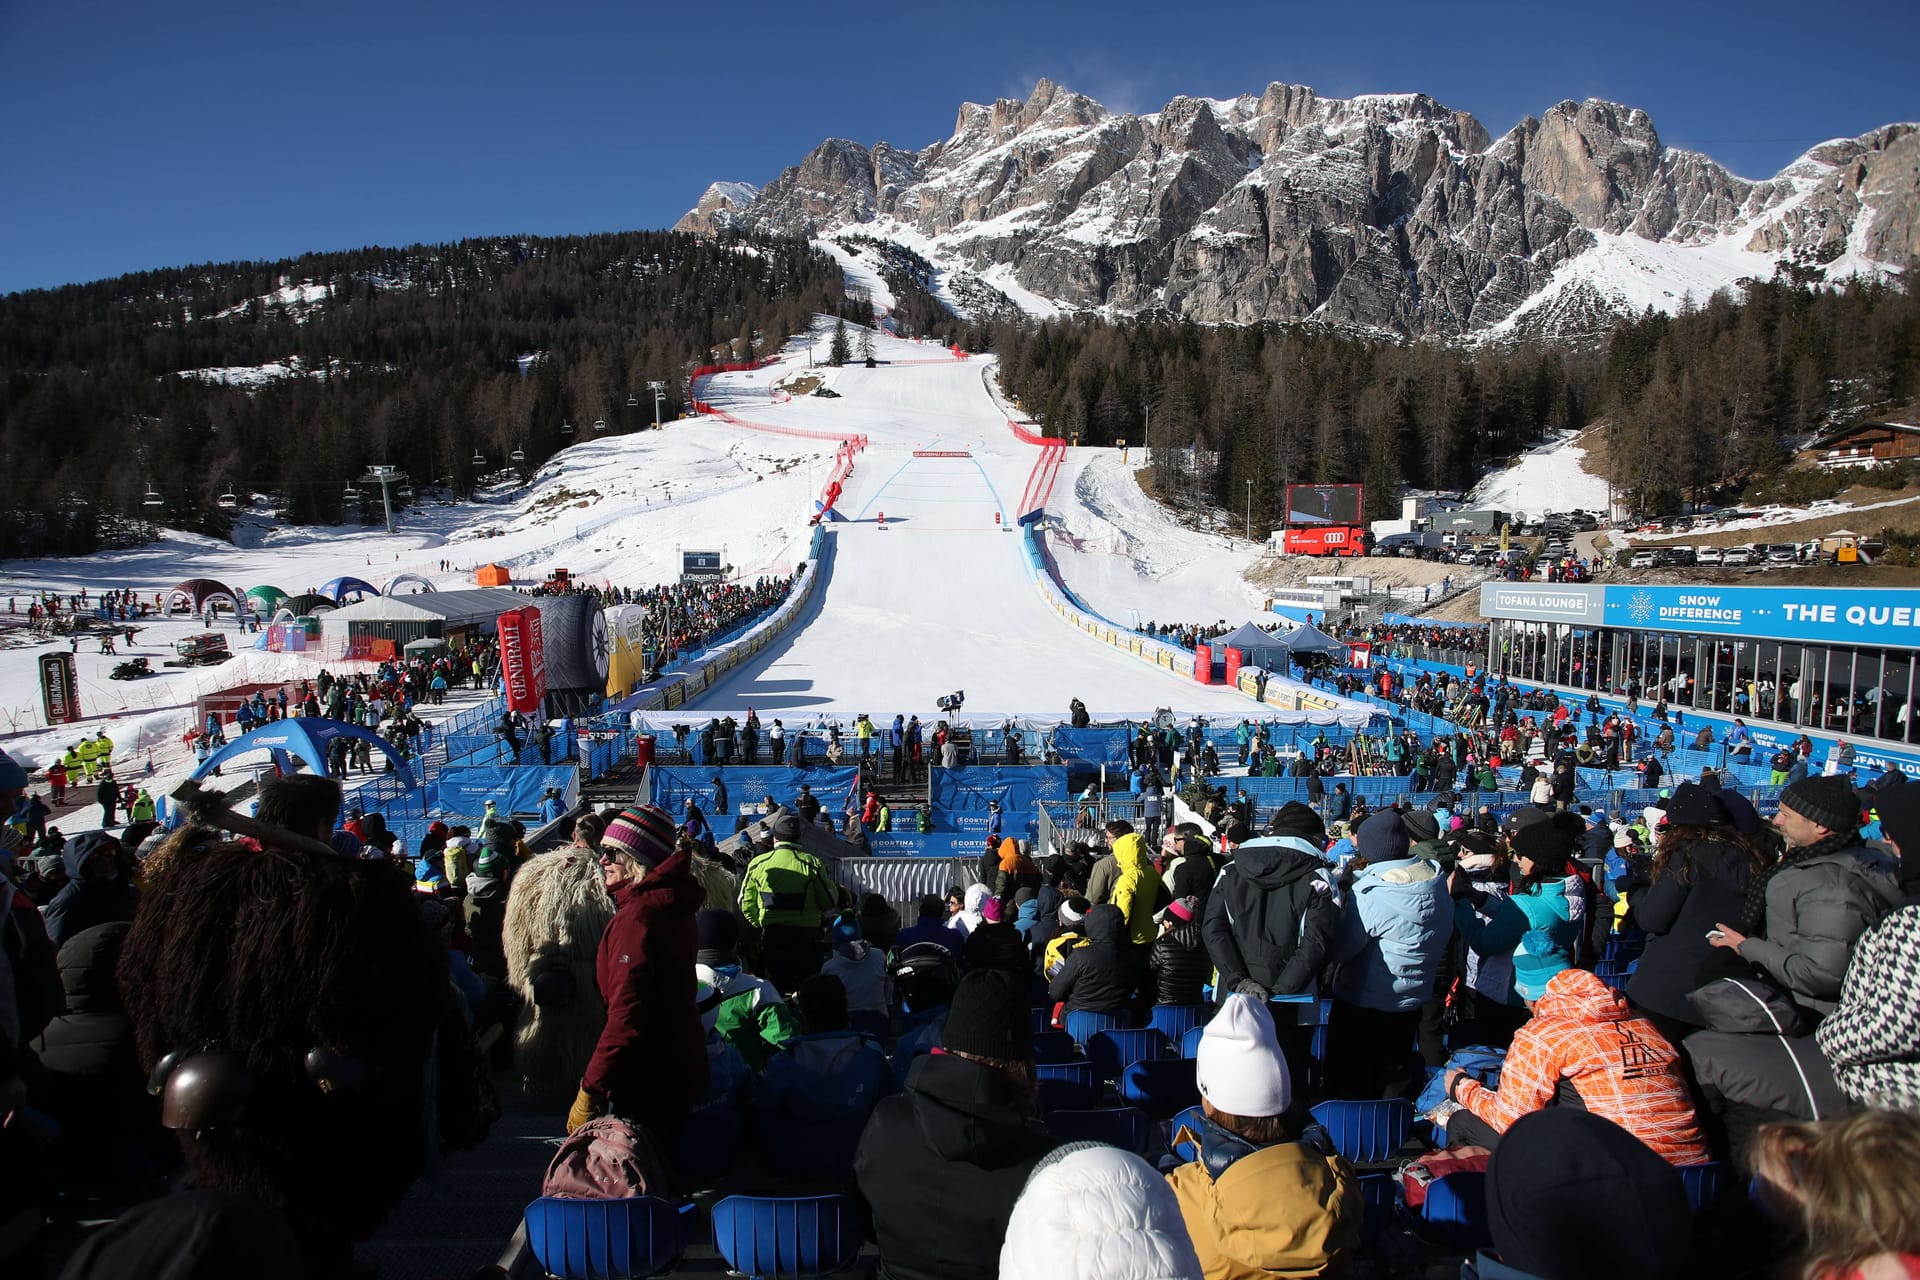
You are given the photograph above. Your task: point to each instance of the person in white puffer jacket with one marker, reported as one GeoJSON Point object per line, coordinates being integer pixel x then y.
{"type": "Point", "coordinates": [1094, 1212]}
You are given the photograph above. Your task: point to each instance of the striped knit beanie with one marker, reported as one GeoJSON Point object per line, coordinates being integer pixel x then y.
{"type": "Point", "coordinates": [646, 832]}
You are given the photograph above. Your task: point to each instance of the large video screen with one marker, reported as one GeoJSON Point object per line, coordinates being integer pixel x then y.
{"type": "Point", "coordinates": [1324, 503]}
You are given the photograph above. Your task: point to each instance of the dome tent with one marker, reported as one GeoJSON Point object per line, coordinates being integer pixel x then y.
{"type": "Point", "coordinates": [265, 599]}
{"type": "Point", "coordinates": [419, 583]}
{"type": "Point", "coordinates": [197, 594]}
{"type": "Point", "coordinates": [304, 606]}
{"type": "Point", "coordinates": [340, 588]}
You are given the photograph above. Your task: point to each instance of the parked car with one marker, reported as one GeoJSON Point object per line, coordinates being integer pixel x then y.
{"type": "Point", "coordinates": [1783, 553]}
{"type": "Point", "coordinates": [1707, 555]}
{"type": "Point", "coordinates": [1736, 556]}
{"type": "Point", "coordinates": [1642, 560]}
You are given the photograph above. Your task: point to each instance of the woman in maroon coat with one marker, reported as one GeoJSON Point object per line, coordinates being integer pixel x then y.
{"type": "Point", "coordinates": [650, 1065]}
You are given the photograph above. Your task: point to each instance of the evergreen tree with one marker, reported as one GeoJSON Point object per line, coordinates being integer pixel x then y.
{"type": "Point", "coordinates": [838, 353]}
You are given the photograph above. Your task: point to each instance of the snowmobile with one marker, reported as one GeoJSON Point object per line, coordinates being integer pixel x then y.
{"type": "Point", "coordinates": [131, 669]}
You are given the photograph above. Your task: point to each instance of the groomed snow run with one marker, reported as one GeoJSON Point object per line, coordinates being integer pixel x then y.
{"type": "Point", "coordinates": [938, 600]}
{"type": "Point", "coordinates": [1550, 477]}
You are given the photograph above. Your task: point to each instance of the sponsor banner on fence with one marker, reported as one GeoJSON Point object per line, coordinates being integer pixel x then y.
{"type": "Point", "coordinates": [59, 690]}
{"type": "Point", "coordinates": [523, 659]}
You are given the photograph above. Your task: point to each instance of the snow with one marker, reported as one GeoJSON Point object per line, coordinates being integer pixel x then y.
{"type": "Point", "coordinates": [256, 376]}
{"type": "Point", "coordinates": [939, 599]}
{"type": "Point", "coordinates": [302, 295]}
{"type": "Point", "coordinates": [860, 273]}
{"type": "Point", "coordinates": [1551, 477]}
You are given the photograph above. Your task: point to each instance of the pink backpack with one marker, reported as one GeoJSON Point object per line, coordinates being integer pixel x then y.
{"type": "Point", "coordinates": [606, 1159]}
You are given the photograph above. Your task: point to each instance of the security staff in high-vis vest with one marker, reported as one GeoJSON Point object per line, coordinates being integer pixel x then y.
{"type": "Point", "coordinates": [786, 894]}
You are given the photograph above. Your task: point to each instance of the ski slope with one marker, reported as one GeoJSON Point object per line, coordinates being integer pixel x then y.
{"type": "Point", "coordinates": [937, 597]}
{"type": "Point", "coordinates": [936, 601]}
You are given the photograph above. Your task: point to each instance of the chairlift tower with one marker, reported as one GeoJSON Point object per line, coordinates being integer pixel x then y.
{"type": "Point", "coordinates": [385, 477]}
{"type": "Point", "coordinates": [659, 390]}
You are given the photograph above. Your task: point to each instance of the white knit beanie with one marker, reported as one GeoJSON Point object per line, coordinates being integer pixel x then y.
{"type": "Point", "coordinates": [1240, 1068]}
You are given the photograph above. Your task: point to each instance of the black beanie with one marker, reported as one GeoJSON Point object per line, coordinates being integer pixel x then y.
{"type": "Point", "coordinates": [1548, 842]}
{"type": "Point", "coordinates": [1826, 801]}
{"type": "Point", "coordinates": [1899, 810]}
{"type": "Point", "coordinates": [990, 1017]}
{"type": "Point", "coordinates": [719, 937]}
{"type": "Point", "coordinates": [1552, 1168]}
{"type": "Point", "coordinates": [1692, 805]}
{"type": "Point", "coordinates": [1296, 819]}
{"type": "Point", "coordinates": [997, 946]}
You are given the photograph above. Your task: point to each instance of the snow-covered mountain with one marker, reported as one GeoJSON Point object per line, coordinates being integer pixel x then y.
{"type": "Point", "coordinates": [1382, 212]}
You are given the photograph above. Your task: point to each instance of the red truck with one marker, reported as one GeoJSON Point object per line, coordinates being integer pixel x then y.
{"type": "Point", "coordinates": [1327, 540]}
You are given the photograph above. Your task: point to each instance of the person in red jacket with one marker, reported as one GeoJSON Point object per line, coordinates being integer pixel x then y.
{"type": "Point", "coordinates": [650, 1065]}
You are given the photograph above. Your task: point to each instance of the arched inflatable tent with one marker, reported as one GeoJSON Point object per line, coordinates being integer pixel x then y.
{"type": "Point", "coordinates": [340, 588]}
{"type": "Point", "coordinates": [197, 594]}
{"type": "Point", "coordinates": [304, 738]}
{"type": "Point", "coordinates": [265, 599]}
{"type": "Point", "coordinates": [304, 606]}
{"type": "Point", "coordinates": [414, 579]}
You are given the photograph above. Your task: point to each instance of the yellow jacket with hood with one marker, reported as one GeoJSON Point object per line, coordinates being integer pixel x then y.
{"type": "Point", "coordinates": [1137, 889]}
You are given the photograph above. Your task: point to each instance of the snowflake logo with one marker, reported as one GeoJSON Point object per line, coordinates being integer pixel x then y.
{"type": "Point", "coordinates": [601, 643]}
{"type": "Point", "coordinates": [1640, 607]}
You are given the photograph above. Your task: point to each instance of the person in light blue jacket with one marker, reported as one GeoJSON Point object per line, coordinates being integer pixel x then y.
{"type": "Point", "coordinates": [1393, 932]}
{"type": "Point", "coordinates": [1534, 925]}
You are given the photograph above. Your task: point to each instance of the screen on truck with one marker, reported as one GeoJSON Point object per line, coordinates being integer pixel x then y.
{"type": "Point", "coordinates": [1324, 503]}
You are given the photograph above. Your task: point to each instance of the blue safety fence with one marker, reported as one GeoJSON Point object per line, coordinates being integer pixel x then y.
{"type": "Point", "coordinates": [463, 791]}
{"type": "Point", "coordinates": [961, 796]}
{"type": "Point", "coordinates": [1090, 748]}
{"type": "Point", "coordinates": [748, 785]}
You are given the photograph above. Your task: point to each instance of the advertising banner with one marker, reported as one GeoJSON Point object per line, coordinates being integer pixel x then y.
{"type": "Point", "coordinates": [1360, 656]}
{"type": "Point", "coordinates": [523, 659]}
{"type": "Point", "coordinates": [1536, 603]}
{"type": "Point", "coordinates": [59, 691]}
{"type": "Point", "coordinates": [1324, 504]}
{"type": "Point", "coordinates": [1815, 616]}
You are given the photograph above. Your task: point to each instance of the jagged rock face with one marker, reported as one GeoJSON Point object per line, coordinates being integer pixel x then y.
{"type": "Point", "coordinates": [1382, 212]}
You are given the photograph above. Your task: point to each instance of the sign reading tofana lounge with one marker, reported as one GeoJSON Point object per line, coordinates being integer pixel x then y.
{"type": "Point", "coordinates": [1815, 615]}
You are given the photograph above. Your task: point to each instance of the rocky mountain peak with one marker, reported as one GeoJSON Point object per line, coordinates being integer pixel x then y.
{"type": "Point", "coordinates": [1387, 212]}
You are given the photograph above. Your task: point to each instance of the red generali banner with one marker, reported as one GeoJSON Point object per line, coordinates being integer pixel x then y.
{"type": "Point", "coordinates": [523, 659]}
{"type": "Point", "coordinates": [59, 691]}
{"type": "Point", "coordinates": [1360, 655]}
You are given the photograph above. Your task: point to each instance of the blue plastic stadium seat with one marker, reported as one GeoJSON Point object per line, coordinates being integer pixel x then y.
{"type": "Point", "coordinates": [1042, 1020]}
{"type": "Point", "coordinates": [1704, 1183]}
{"type": "Point", "coordinates": [1455, 1211]}
{"type": "Point", "coordinates": [1054, 1046]}
{"type": "Point", "coordinates": [1083, 1023]}
{"type": "Point", "coordinates": [1175, 1020]}
{"type": "Point", "coordinates": [1079, 1071]}
{"type": "Point", "coordinates": [1128, 1128]}
{"type": "Point", "coordinates": [1366, 1132]}
{"type": "Point", "coordinates": [778, 1237]}
{"type": "Point", "coordinates": [1114, 1050]}
{"type": "Point", "coordinates": [1378, 1193]}
{"type": "Point", "coordinates": [1186, 1149]}
{"type": "Point", "coordinates": [1160, 1086]}
{"type": "Point", "coordinates": [1067, 1095]}
{"type": "Point", "coordinates": [608, 1239]}
{"type": "Point", "coordinates": [1190, 1042]}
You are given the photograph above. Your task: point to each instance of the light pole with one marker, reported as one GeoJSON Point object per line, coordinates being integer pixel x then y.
{"type": "Point", "coordinates": [659, 390]}
{"type": "Point", "coordinates": [1249, 511]}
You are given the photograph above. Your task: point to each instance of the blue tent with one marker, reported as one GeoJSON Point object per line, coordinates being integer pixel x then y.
{"type": "Point", "coordinates": [340, 588]}
{"type": "Point", "coordinates": [305, 737]}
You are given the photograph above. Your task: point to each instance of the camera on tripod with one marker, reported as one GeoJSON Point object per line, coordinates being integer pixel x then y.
{"type": "Point", "coordinates": [952, 701]}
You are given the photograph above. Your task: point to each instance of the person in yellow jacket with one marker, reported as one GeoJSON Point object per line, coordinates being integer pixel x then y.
{"type": "Point", "coordinates": [1137, 888]}
{"type": "Point", "coordinates": [1261, 1200]}
{"type": "Point", "coordinates": [89, 750]}
{"type": "Point", "coordinates": [76, 764]}
{"type": "Point", "coordinates": [143, 807]}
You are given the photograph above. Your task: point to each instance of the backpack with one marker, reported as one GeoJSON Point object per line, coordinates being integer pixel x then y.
{"type": "Point", "coordinates": [1416, 1175]}
{"type": "Point", "coordinates": [606, 1158]}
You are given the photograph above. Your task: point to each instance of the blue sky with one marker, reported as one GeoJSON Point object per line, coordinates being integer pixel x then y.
{"type": "Point", "coordinates": [145, 135]}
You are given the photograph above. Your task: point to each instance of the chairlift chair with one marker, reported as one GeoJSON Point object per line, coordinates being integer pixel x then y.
{"type": "Point", "coordinates": [633, 402]}
{"type": "Point", "coordinates": [479, 459]}
{"type": "Point", "coordinates": [229, 501]}
{"type": "Point", "coordinates": [404, 492]}
{"type": "Point", "coordinates": [153, 498]}
{"type": "Point", "coordinates": [599, 424]}
{"type": "Point", "coordinates": [518, 455]}
{"type": "Point", "coordinates": [350, 494]}
{"type": "Point", "coordinates": [566, 428]}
